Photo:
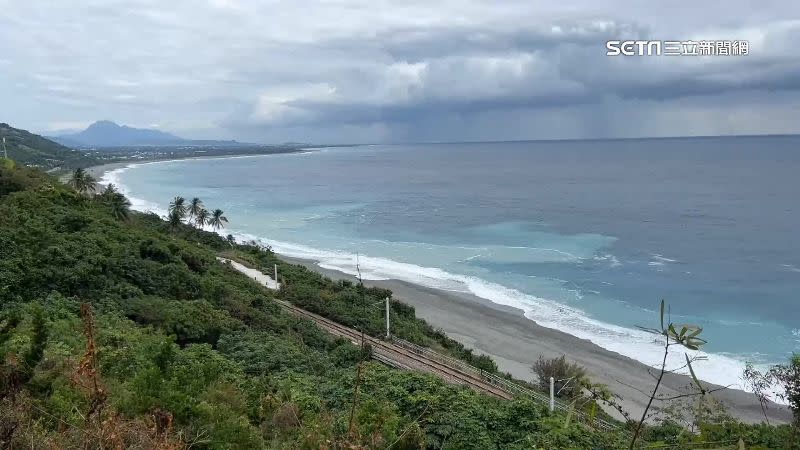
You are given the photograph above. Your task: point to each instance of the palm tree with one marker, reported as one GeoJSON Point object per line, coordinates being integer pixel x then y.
{"type": "Point", "coordinates": [109, 191]}
{"type": "Point", "coordinates": [177, 208]}
{"type": "Point", "coordinates": [76, 180]}
{"type": "Point", "coordinates": [91, 184]}
{"type": "Point", "coordinates": [82, 182]}
{"type": "Point", "coordinates": [201, 217]}
{"type": "Point", "coordinates": [231, 240]}
{"type": "Point", "coordinates": [174, 219]}
{"type": "Point", "coordinates": [119, 205]}
{"type": "Point", "coordinates": [194, 207]}
{"type": "Point", "coordinates": [217, 219]}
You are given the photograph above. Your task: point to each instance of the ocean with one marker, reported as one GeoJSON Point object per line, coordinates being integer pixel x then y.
{"type": "Point", "coordinates": [583, 236]}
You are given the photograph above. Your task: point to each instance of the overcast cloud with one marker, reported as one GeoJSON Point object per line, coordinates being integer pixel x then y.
{"type": "Point", "coordinates": [377, 71]}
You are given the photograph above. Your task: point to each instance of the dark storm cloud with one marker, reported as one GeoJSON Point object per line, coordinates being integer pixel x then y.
{"type": "Point", "coordinates": [415, 44]}
{"type": "Point", "coordinates": [524, 70]}
{"type": "Point", "coordinates": [362, 70]}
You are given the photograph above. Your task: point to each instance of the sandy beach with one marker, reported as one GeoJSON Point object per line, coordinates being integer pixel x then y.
{"type": "Point", "coordinates": [515, 343]}
{"type": "Point", "coordinates": [98, 171]}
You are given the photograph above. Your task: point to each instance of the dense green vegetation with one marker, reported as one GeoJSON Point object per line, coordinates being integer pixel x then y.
{"type": "Point", "coordinates": [33, 150]}
{"type": "Point", "coordinates": [177, 349]}
{"type": "Point", "coordinates": [123, 330]}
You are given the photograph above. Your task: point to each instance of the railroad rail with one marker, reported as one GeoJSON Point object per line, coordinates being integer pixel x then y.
{"type": "Point", "coordinates": [509, 386]}
{"type": "Point", "coordinates": [406, 355]}
{"type": "Point", "coordinates": [400, 356]}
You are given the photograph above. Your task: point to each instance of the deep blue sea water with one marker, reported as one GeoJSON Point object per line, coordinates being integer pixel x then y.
{"type": "Point", "coordinates": [584, 236]}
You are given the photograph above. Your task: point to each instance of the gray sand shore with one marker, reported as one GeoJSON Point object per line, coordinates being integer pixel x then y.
{"type": "Point", "coordinates": [515, 343]}
{"type": "Point", "coordinates": [97, 172]}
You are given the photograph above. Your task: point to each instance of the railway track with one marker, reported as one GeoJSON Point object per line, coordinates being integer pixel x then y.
{"type": "Point", "coordinates": [401, 357]}
{"type": "Point", "coordinates": [410, 357]}
{"type": "Point", "coordinates": [405, 355]}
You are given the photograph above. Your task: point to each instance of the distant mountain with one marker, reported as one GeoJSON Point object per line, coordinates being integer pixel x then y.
{"type": "Point", "coordinates": [34, 150]}
{"type": "Point", "coordinates": [105, 133]}
{"type": "Point", "coordinates": [108, 134]}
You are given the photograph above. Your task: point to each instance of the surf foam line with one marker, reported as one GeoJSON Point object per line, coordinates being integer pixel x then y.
{"type": "Point", "coordinates": [138, 204]}
{"type": "Point", "coordinates": [636, 344]}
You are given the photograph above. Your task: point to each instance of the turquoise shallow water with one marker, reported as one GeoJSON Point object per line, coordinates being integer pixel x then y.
{"type": "Point", "coordinates": [583, 236]}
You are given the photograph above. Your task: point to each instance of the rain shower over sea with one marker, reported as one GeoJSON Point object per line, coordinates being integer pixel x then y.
{"type": "Point", "coordinates": [582, 236]}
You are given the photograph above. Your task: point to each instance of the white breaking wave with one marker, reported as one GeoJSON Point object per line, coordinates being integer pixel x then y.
{"type": "Point", "coordinates": [636, 344]}
{"type": "Point", "coordinates": [663, 259]}
{"type": "Point", "coordinates": [790, 268]}
{"type": "Point", "coordinates": [611, 259]}
{"type": "Point", "coordinates": [138, 204]}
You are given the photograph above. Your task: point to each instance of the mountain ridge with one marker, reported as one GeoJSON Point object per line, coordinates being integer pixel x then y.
{"type": "Point", "coordinates": [106, 133]}
{"type": "Point", "coordinates": [33, 150]}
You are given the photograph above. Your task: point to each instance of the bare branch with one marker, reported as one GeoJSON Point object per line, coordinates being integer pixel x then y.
{"type": "Point", "coordinates": [631, 386]}
{"type": "Point", "coordinates": [694, 394]}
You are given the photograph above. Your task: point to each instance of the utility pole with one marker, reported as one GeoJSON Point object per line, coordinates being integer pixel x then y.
{"type": "Point", "coordinates": [277, 285]}
{"type": "Point", "coordinates": [5, 152]}
{"type": "Point", "coordinates": [388, 334]}
{"type": "Point", "coordinates": [552, 394]}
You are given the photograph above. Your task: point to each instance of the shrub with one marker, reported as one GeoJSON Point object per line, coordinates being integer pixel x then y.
{"type": "Point", "coordinates": [152, 250]}
{"type": "Point", "coordinates": [569, 377]}
{"type": "Point", "coordinates": [190, 321]}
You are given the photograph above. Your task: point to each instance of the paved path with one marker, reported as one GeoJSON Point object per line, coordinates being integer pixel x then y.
{"type": "Point", "coordinates": [254, 274]}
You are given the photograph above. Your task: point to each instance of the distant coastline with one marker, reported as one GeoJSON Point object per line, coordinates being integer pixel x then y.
{"type": "Point", "coordinates": [97, 171]}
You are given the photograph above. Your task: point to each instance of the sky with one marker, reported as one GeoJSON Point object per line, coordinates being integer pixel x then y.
{"type": "Point", "coordinates": [374, 71]}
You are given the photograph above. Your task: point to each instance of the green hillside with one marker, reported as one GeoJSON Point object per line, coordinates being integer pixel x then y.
{"type": "Point", "coordinates": [33, 150]}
